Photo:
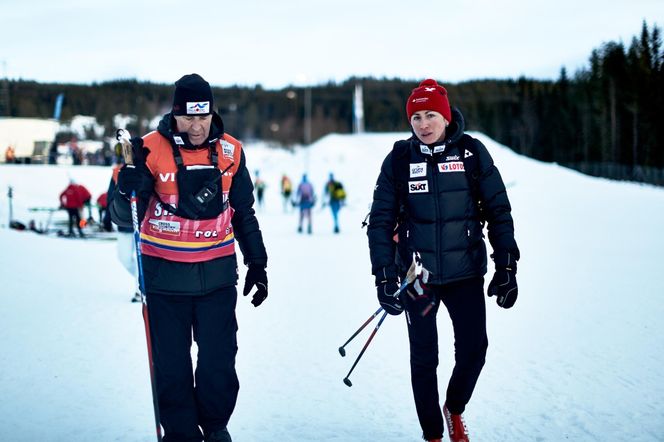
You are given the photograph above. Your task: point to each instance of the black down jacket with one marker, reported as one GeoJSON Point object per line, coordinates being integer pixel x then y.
{"type": "Point", "coordinates": [441, 217]}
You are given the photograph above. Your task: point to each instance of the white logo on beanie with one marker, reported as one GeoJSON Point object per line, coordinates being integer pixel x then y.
{"type": "Point", "coordinates": [429, 89]}
{"type": "Point", "coordinates": [198, 107]}
{"type": "Point", "coordinates": [420, 100]}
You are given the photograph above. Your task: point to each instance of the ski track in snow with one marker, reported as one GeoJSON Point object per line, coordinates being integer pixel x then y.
{"type": "Point", "coordinates": [578, 358]}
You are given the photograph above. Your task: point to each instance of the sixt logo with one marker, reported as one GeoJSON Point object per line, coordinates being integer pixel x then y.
{"type": "Point", "coordinates": [198, 107]}
{"type": "Point", "coordinates": [418, 186]}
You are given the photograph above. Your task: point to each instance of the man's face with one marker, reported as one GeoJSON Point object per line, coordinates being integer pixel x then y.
{"type": "Point", "coordinates": [197, 127]}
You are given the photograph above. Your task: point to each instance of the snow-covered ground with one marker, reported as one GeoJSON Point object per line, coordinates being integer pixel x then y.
{"type": "Point", "coordinates": [578, 358]}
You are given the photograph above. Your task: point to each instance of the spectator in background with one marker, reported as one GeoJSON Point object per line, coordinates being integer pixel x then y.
{"type": "Point", "coordinates": [10, 155]}
{"type": "Point", "coordinates": [259, 185]}
{"type": "Point", "coordinates": [72, 199]}
{"type": "Point", "coordinates": [335, 196]}
{"type": "Point", "coordinates": [286, 190]}
{"type": "Point", "coordinates": [305, 198]}
{"type": "Point", "coordinates": [102, 207]}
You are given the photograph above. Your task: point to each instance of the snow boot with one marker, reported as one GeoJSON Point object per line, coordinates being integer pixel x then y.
{"type": "Point", "coordinates": [218, 436]}
{"type": "Point", "coordinates": [456, 426]}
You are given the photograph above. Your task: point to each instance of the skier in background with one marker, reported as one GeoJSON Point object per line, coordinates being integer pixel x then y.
{"type": "Point", "coordinates": [335, 196]}
{"type": "Point", "coordinates": [72, 199]}
{"type": "Point", "coordinates": [424, 187]}
{"type": "Point", "coordinates": [286, 191]}
{"type": "Point", "coordinates": [305, 199]}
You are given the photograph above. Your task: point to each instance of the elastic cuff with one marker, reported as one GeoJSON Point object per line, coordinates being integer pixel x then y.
{"type": "Point", "coordinates": [385, 274]}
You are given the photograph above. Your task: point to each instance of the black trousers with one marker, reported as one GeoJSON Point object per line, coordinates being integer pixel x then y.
{"type": "Point", "coordinates": [74, 220]}
{"type": "Point", "coordinates": [206, 398]}
{"type": "Point", "coordinates": [464, 301]}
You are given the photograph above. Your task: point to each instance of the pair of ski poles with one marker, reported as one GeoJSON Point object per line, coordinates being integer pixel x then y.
{"type": "Point", "coordinates": [123, 138]}
{"type": "Point", "coordinates": [416, 269]}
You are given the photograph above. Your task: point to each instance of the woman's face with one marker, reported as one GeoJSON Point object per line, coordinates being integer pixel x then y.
{"type": "Point", "coordinates": [429, 126]}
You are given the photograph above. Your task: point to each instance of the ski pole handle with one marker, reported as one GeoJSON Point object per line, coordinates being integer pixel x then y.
{"type": "Point", "coordinates": [123, 136]}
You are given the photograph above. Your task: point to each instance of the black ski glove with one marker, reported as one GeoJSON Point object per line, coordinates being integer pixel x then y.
{"type": "Point", "coordinates": [503, 284]}
{"type": "Point", "coordinates": [136, 178]}
{"type": "Point", "coordinates": [256, 276]}
{"type": "Point", "coordinates": [385, 291]}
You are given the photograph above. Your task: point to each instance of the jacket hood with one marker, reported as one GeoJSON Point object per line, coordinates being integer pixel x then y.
{"type": "Point", "coordinates": [168, 129]}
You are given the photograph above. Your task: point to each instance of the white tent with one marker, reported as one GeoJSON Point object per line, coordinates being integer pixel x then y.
{"type": "Point", "coordinates": [28, 136]}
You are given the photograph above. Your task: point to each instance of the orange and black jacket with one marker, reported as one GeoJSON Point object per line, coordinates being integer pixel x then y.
{"type": "Point", "coordinates": [199, 277]}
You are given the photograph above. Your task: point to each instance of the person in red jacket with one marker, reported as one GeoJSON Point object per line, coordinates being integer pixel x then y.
{"type": "Point", "coordinates": [102, 206]}
{"type": "Point", "coordinates": [72, 199]}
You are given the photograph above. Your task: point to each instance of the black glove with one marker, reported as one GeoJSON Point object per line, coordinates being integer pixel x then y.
{"type": "Point", "coordinates": [386, 290]}
{"type": "Point", "coordinates": [503, 284]}
{"type": "Point", "coordinates": [256, 276]}
{"type": "Point", "coordinates": [136, 178]}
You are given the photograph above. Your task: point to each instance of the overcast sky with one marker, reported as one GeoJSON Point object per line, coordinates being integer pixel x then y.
{"type": "Point", "coordinates": [280, 42]}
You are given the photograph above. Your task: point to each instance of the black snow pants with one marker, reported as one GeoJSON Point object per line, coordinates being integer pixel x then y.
{"type": "Point", "coordinates": [464, 301]}
{"type": "Point", "coordinates": [74, 221]}
{"type": "Point", "coordinates": [206, 398]}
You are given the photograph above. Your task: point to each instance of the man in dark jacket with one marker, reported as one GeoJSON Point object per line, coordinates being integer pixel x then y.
{"type": "Point", "coordinates": [195, 199]}
{"type": "Point", "coordinates": [440, 205]}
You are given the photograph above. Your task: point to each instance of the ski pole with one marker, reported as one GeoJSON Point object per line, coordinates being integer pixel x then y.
{"type": "Point", "coordinates": [414, 271]}
{"type": "Point", "coordinates": [123, 138]}
{"type": "Point", "coordinates": [342, 352]}
{"type": "Point", "coordinates": [146, 320]}
{"type": "Point", "coordinates": [371, 336]}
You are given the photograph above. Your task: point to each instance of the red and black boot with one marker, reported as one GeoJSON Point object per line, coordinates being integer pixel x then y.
{"type": "Point", "coordinates": [456, 426]}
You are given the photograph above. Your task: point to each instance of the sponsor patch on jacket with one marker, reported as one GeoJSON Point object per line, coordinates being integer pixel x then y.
{"type": "Point", "coordinates": [198, 107]}
{"type": "Point", "coordinates": [425, 149]}
{"type": "Point", "coordinates": [418, 170]}
{"type": "Point", "coordinates": [228, 149]}
{"type": "Point", "coordinates": [453, 166]}
{"type": "Point", "coordinates": [439, 149]}
{"type": "Point", "coordinates": [172, 227]}
{"type": "Point", "coordinates": [178, 140]}
{"type": "Point", "coordinates": [452, 158]}
{"type": "Point", "coordinates": [418, 186]}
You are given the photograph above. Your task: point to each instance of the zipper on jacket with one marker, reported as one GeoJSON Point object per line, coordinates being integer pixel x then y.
{"type": "Point", "coordinates": [434, 180]}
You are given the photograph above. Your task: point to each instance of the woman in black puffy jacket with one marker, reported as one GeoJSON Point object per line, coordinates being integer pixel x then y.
{"type": "Point", "coordinates": [438, 189]}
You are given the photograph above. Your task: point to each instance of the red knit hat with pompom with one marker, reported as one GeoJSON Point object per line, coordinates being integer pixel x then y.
{"type": "Point", "coordinates": [429, 95]}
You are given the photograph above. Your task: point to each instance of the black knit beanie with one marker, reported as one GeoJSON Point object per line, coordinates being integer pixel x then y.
{"type": "Point", "coordinates": [193, 96]}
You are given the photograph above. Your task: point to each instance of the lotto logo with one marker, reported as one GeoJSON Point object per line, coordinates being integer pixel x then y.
{"type": "Point", "coordinates": [454, 166]}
